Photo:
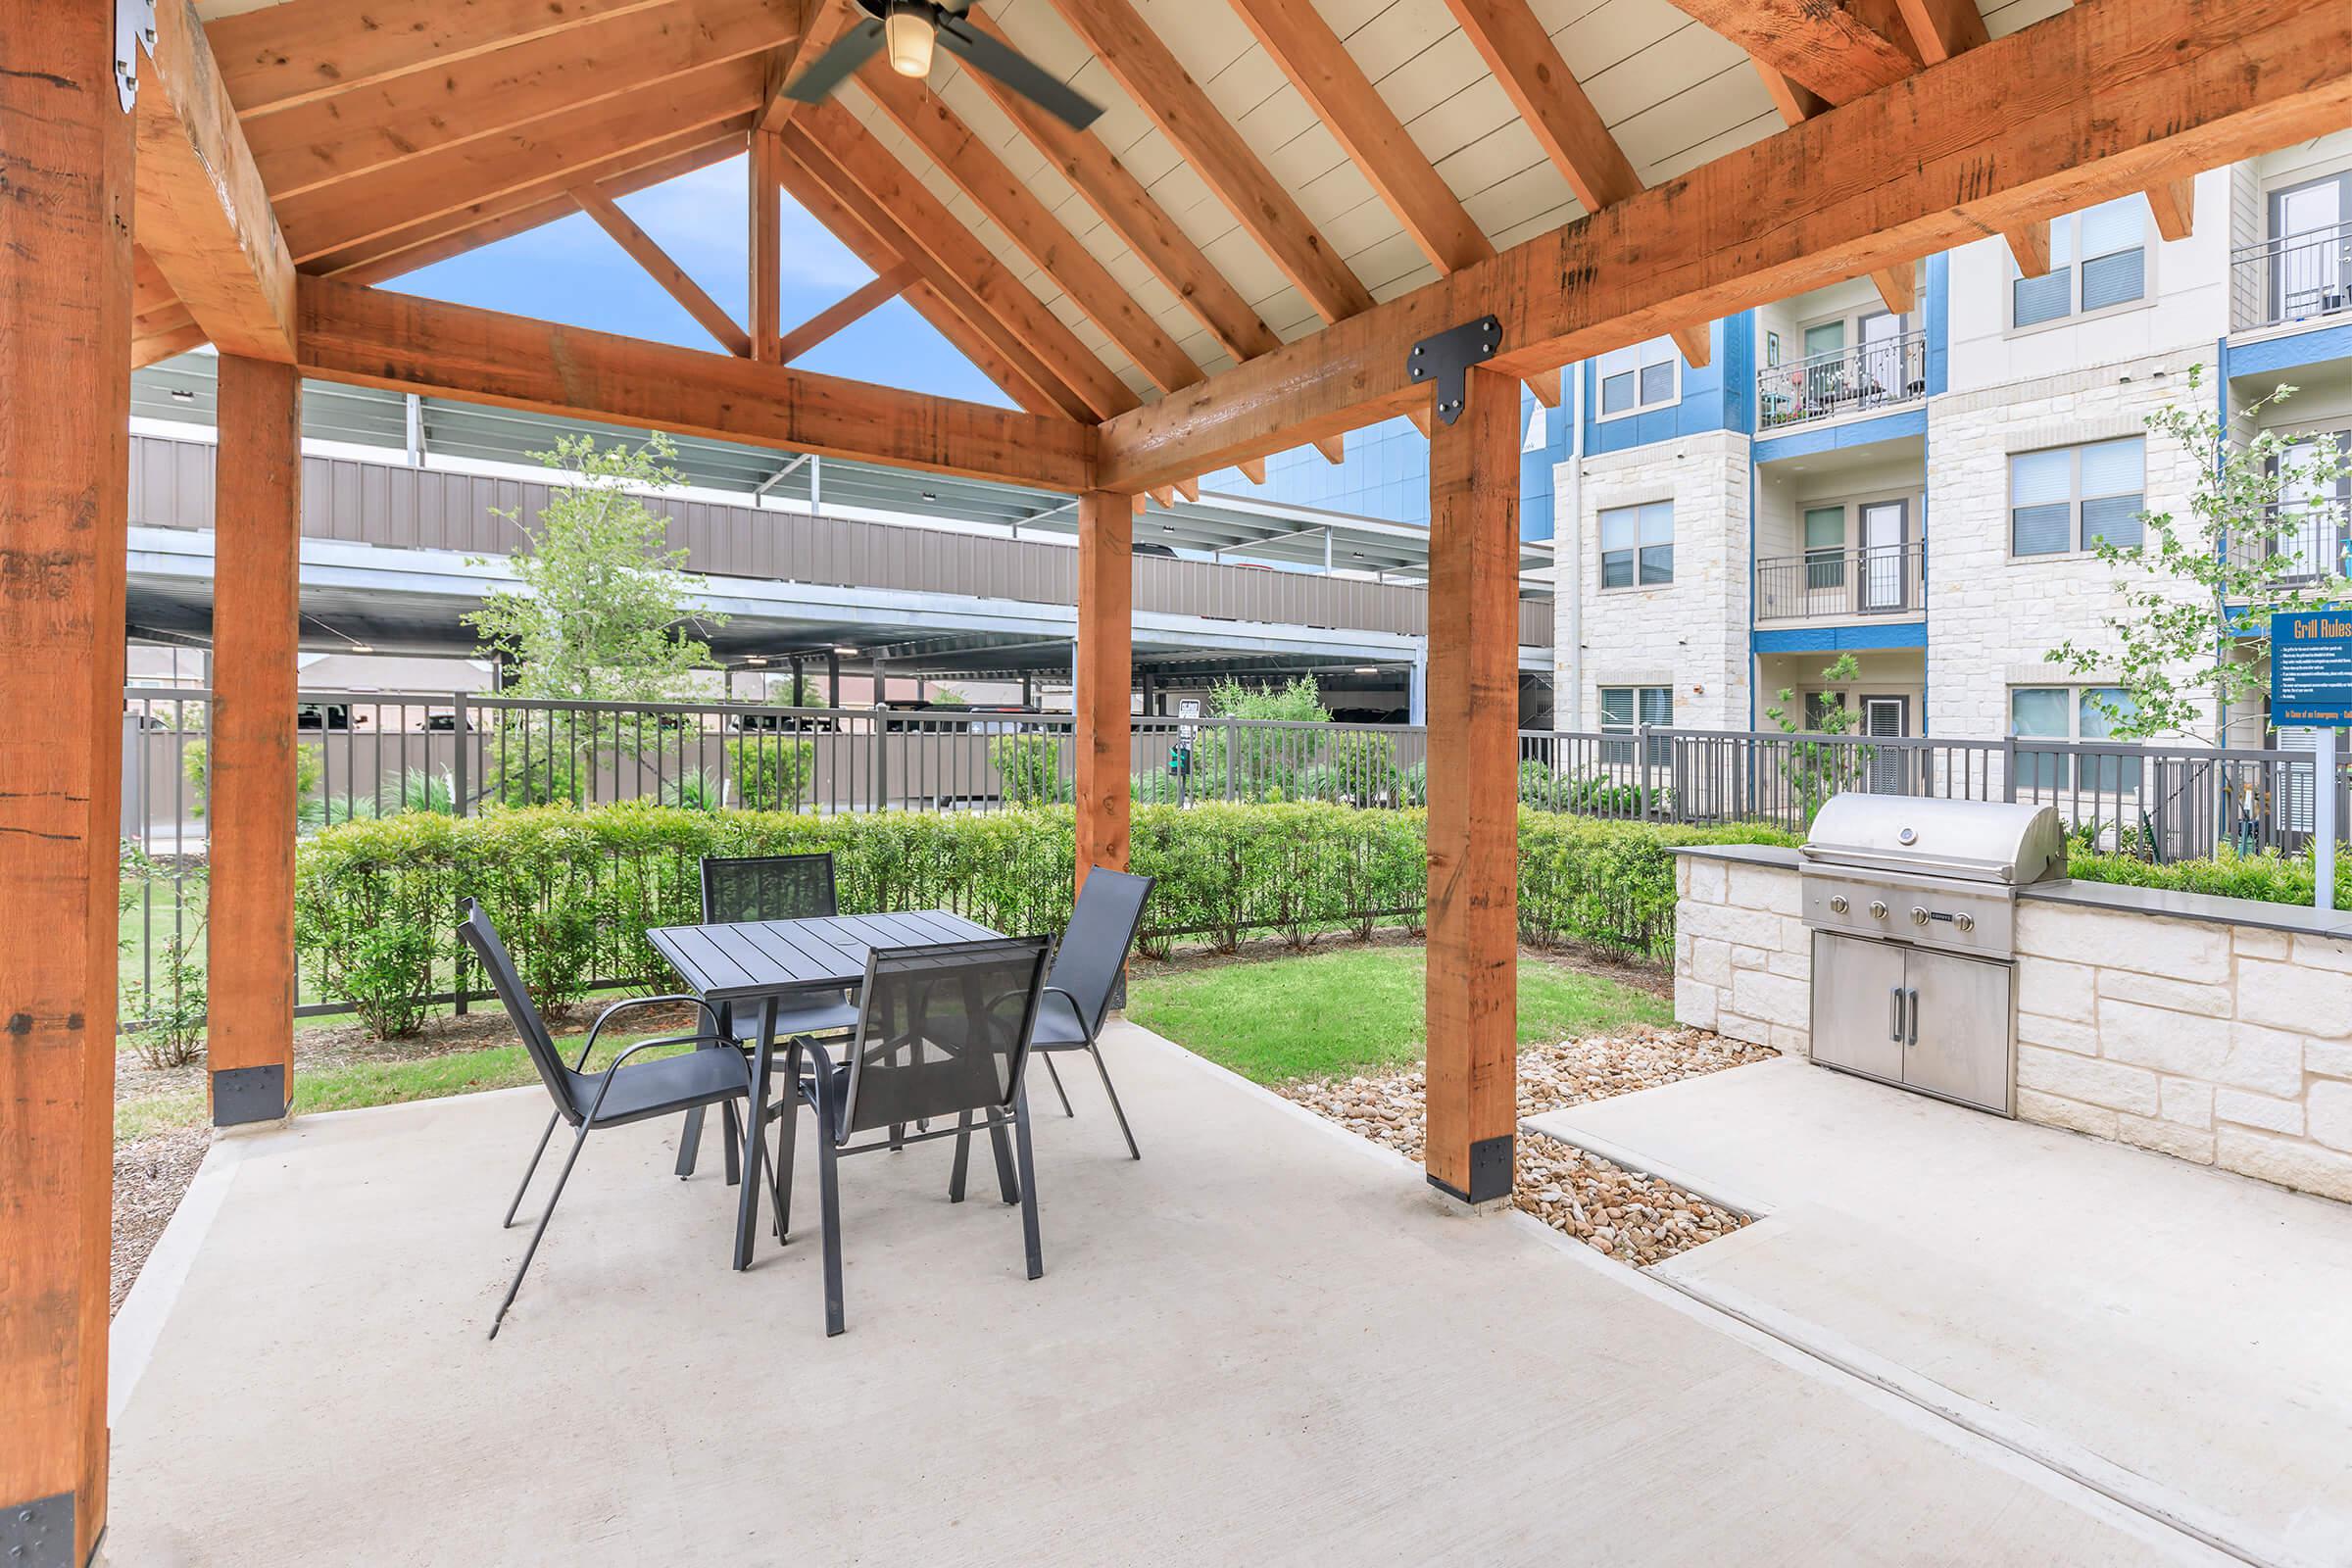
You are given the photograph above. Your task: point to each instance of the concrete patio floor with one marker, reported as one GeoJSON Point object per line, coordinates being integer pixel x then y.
{"type": "Point", "coordinates": [1264, 1342]}
{"type": "Point", "coordinates": [2171, 1333]}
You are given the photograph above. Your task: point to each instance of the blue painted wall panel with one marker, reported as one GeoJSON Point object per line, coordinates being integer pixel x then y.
{"type": "Point", "coordinates": [1841, 639]}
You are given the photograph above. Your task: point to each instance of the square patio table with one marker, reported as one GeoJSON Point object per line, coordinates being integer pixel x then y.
{"type": "Point", "coordinates": [763, 961]}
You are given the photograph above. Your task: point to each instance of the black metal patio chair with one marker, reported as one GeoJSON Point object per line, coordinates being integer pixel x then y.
{"type": "Point", "coordinates": [622, 1093]}
{"type": "Point", "coordinates": [943, 1032]}
{"type": "Point", "coordinates": [737, 888]}
{"type": "Point", "coordinates": [1086, 976]}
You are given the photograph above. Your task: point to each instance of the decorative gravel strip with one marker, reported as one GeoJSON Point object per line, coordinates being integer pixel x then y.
{"type": "Point", "coordinates": [1633, 1217]}
{"type": "Point", "coordinates": [151, 1176]}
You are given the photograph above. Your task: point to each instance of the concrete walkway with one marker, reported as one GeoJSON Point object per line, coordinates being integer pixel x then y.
{"type": "Point", "coordinates": [2177, 1334]}
{"type": "Point", "coordinates": [1265, 1343]}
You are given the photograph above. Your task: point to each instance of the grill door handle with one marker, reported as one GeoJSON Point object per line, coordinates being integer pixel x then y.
{"type": "Point", "coordinates": [1911, 1036]}
{"type": "Point", "coordinates": [1894, 1027]}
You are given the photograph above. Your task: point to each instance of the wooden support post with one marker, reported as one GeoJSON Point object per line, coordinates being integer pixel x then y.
{"type": "Point", "coordinates": [250, 930]}
{"type": "Point", "coordinates": [65, 162]}
{"type": "Point", "coordinates": [1473, 999]}
{"type": "Point", "coordinates": [1104, 674]}
{"type": "Point", "coordinates": [766, 217]}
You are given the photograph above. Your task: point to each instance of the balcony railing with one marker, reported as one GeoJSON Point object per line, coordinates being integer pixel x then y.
{"type": "Point", "coordinates": [2309, 541]}
{"type": "Point", "coordinates": [1870, 376]}
{"type": "Point", "coordinates": [1835, 584]}
{"type": "Point", "coordinates": [2296, 278]}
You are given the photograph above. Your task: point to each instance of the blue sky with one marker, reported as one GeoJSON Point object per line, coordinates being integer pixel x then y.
{"type": "Point", "coordinates": [571, 271]}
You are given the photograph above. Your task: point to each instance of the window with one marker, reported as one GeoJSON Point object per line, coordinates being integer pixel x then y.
{"type": "Point", "coordinates": [1646, 375]}
{"type": "Point", "coordinates": [2070, 498]}
{"type": "Point", "coordinates": [1539, 431]}
{"type": "Point", "coordinates": [2098, 261]}
{"type": "Point", "coordinates": [1818, 707]}
{"type": "Point", "coordinates": [1623, 708]}
{"type": "Point", "coordinates": [1637, 544]}
{"type": "Point", "coordinates": [1824, 547]}
{"type": "Point", "coordinates": [2070, 714]}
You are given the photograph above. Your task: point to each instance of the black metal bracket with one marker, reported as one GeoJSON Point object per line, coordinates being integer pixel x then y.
{"type": "Point", "coordinates": [1446, 358]}
{"type": "Point", "coordinates": [38, 1534]}
{"type": "Point", "coordinates": [243, 1095]}
{"type": "Point", "coordinates": [1490, 1171]}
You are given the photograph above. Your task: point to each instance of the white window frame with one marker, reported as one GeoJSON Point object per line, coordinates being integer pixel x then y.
{"type": "Point", "coordinates": [1602, 553]}
{"type": "Point", "coordinates": [2042, 772]}
{"type": "Point", "coordinates": [1635, 359]}
{"type": "Point", "coordinates": [2076, 549]}
{"type": "Point", "coordinates": [1625, 753]}
{"type": "Point", "coordinates": [2149, 246]}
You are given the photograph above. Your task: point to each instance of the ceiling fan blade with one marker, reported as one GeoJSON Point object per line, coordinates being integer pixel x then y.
{"type": "Point", "coordinates": [832, 68]}
{"type": "Point", "coordinates": [1017, 71]}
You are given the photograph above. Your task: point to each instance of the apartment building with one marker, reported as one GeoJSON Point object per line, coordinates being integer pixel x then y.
{"type": "Point", "coordinates": [1921, 488]}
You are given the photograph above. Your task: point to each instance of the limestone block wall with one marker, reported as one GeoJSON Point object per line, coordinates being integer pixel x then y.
{"type": "Point", "coordinates": [2218, 1040]}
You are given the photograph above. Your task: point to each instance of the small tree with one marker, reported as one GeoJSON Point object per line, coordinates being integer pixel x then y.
{"type": "Point", "coordinates": [602, 611]}
{"type": "Point", "coordinates": [1818, 769]}
{"type": "Point", "coordinates": [2191, 587]}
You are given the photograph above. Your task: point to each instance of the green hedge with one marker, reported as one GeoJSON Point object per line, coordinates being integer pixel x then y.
{"type": "Point", "coordinates": [573, 891]}
{"type": "Point", "coordinates": [2265, 878]}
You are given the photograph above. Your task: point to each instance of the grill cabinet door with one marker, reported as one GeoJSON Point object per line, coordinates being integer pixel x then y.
{"type": "Point", "coordinates": [1959, 1033]}
{"type": "Point", "coordinates": [1855, 984]}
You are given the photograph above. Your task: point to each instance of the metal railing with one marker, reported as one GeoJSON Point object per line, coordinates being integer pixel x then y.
{"type": "Point", "coordinates": [2308, 541]}
{"type": "Point", "coordinates": [1830, 584]}
{"type": "Point", "coordinates": [2292, 277]}
{"type": "Point", "coordinates": [1876, 374]}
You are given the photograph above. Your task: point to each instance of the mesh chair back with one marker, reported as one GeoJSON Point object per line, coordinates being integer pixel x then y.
{"type": "Point", "coordinates": [767, 887]}
{"type": "Point", "coordinates": [1094, 949]}
{"type": "Point", "coordinates": [482, 937]}
{"type": "Point", "coordinates": [944, 1029]}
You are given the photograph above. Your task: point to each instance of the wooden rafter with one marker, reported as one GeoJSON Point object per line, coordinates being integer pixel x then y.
{"type": "Point", "coordinates": [938, 234]}
{"type": "Point", "coordinates": [1943, 28]}
{"type": "Point", "coordinates": [1131, 212]}
{"type": "Point", "coordinates": [882, 241]}
{"type": "Point", "coordinates": [1132, 53]}
{"type": "Point", "coordinates": [202, 215]}
{"type": "Point", "coordinates": [2174, 202]}
{"type": "Point", "coordinates": [375, 337]}
{"type": "Point", "coordinates": [1897, 287]}
{"type": "Point", "coordinates": [663, 269]}
{"type": "Point", "coordinates": [765, 172]}
{"type": "Point", "coordinates": [2179, 85]}
{"type": "Point", "coordinates": [276, 56]}
{"type": "Point", "coordinates": [409, 115]}
{"type": "Point", "coordinates": [350, 212]}
{"type": "Point", "coordinates": [1841, 49]}
{"type": "Point", "coordinates": [853, 305]}
{"type": "Point", "coordinates": [1007, 202]}
{"type": "Point", "coordinates": [828, 19]}
{"type": "Point", "coordinates": [2030, 246]}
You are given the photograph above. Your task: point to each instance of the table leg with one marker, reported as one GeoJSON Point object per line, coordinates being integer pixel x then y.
{"type": "Point", "coordinates": [755, 1136]}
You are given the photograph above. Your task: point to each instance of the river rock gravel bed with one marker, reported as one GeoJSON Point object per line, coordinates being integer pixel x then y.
{"type": "Point", "coordinates": [1626, 1214]}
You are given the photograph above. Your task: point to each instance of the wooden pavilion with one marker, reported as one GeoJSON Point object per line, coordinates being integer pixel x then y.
{"type": "Point", "coordinates": [1296, 218]}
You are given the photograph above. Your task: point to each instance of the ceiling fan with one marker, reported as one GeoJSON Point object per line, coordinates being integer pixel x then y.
{"type": "Point", "coordinates": [909, 30]}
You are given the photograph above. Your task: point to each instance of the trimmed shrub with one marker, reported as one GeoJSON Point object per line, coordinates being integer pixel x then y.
{"type": "Point", "coordinates": [2264, 878]}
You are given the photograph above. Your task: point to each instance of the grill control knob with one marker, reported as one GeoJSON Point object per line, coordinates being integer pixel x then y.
{"type": "Point", "coordinates": [1919, 916]}
{"type": "Point", "coordinates": [1837, 904]}
{"type": "Point", "coordinates": [1878, 908]}
{"type": "Point", "coordinates": [1965, 923]}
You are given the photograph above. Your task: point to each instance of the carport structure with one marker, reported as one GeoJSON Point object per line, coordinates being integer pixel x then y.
{"type": "Point", "coordinates": [1156, 295]}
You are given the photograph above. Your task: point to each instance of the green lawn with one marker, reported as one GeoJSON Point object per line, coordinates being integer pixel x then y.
{"type": "Point", "coordinates": [1328, 1014]}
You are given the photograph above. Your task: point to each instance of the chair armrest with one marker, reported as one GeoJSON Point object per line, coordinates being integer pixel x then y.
{"type": "Point", "coordinates": [820, 1083]}
{"type": "Point", "coordinates": [1080, 1011]}
{"type": "Point", "coordinates": [603, 1080]}
{"type": "Point", "coordinates": [623, 1006]}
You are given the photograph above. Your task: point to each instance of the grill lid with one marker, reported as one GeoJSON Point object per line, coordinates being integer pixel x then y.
{"type": "Point", "coordinates": [1980, 841]}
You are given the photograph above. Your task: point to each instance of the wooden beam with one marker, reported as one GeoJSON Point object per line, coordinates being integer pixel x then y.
{"type": "Point", "coordinates": [853, 305]}
{"type": "Point", "coordinates": [870, 168]}
{"type": "Point", "coordinates": [558, 149]}
{"type": "Point", "coordinates": [373, 337]}
{"type": "Point", "coordinates": [154, 347]}
{"type": "Point", "coordinates": [1943, 28]}
{"type": "Point", "coordinates": [828, 19]}
{"type": "Point", "coordinates": [2030, 245]}
{"type": "Point", "coordinates": [1253, 469]}
{"type": "Point", "coordinates": [1899, 287]}
{"type": "Point", "coordinates": [1698, 343]}
{"type": "Point", "coordinates": [1472, 987]}
{"type": "Point", "coordinates": [2097, 101]}
{"type": "Point", "coordinates": [1333, 447]}
{"type": "Point", "coordinates": [277, 56]}
{"type": "Point", "coordinates": [668, 273]}
{"type": "Point", "coordinates": [1105, 671]}
{"type": "Point", "coordinates": [880, 240]}
{"type": "Point", "coordinates": [409, 115]}
{"type": "Point", "coordinates": [1131, 212]}
{"type": "Point", "coordinates": [66, 163]}
{"type": "Point", "coordinates": [1841, 49]}
{"type": "Point", "coordinates": [1796, 101]}
{"type": "Point", "coordinates": [1545, 385]}
{"type": "Point", "coordinates": [1007, 201]}
{"type": "Point", "coordinates": [1541, 86]}
{"type": "Point", "coordinates": [1132, 52]}
{"type": "Point", "coordinates": [765, 171]}
{"type": "Point", "coordinates": [204, 216]}
{"type": "Point", "coordinates": [2175, 204]}
{"type": "Point", "coordinates": [249, 931]}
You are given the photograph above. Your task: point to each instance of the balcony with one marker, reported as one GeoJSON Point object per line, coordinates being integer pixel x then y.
{"type": "Point", "coordinates": [1883, 374]}
{"type": "Point", "coordinates": [2294, 277]}
{"type": "Point", "coordinates": [2308, 542]}
{"type": "Point", "coordinates": [1824, 585]}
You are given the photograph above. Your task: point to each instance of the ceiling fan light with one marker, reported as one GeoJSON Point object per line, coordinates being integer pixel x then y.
{"type": "Point", "coordinates": [907, 37]}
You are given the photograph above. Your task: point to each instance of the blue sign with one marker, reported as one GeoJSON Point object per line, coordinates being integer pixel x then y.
{"type": "Point", "coordinates": [2311, 668]}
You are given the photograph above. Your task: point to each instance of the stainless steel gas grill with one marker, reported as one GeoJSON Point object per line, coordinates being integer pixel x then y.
{"type": "Point", "coordinates": [1913, 909]}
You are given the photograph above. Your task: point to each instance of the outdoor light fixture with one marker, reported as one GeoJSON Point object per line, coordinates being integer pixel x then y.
{"type": "Point", "coordinates": [180, 394]}
{"type": "Point", "coordinates": [1368, 669]}
{"type": "Point", "coordinates": [755, 658]}
{"type": "Point", "coordinates": [844, 647]}
{"type": "Point", "coordinates": [906, 35]}
{"type": "Point", "coordinates": [361, 648]}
